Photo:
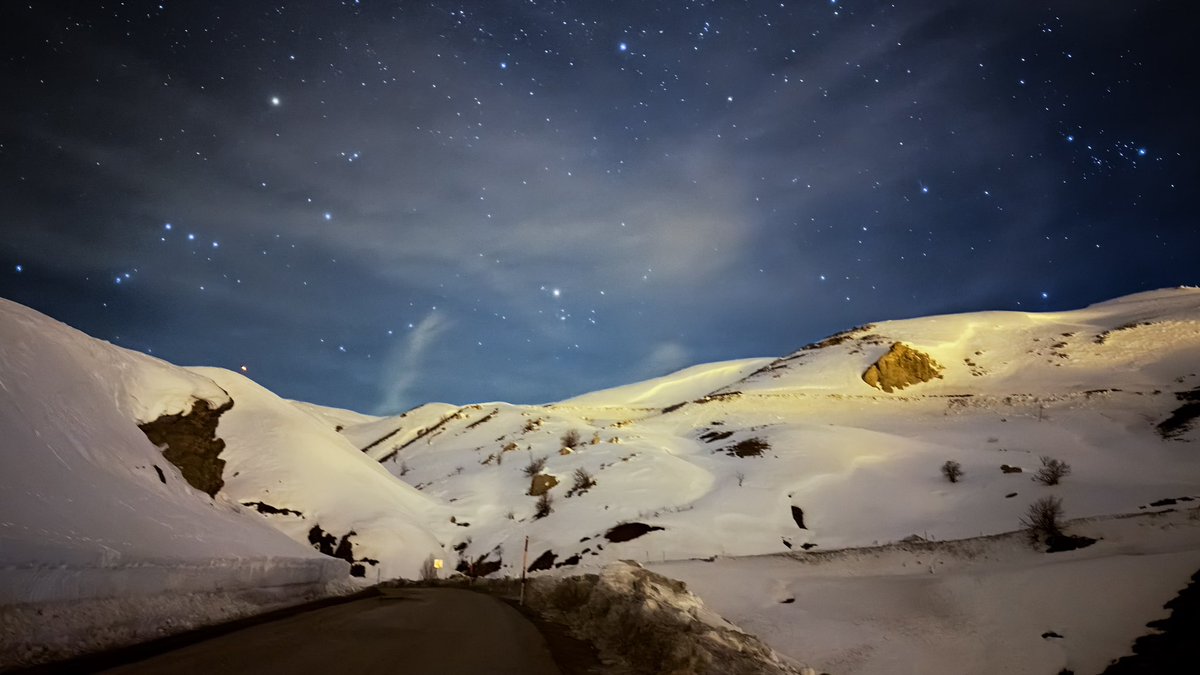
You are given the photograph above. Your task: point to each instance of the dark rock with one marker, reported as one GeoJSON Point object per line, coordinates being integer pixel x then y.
{"type": "Point", "coordinates": [544, 561]}
{"type": "Point", "coordinates": [628, 531]}
{"type": "Point", "coordinates": [263, 507]}
{"type": "Point", "coordinates": [798, 516]}
{"type": "Point", "coordinates": [189, 441]}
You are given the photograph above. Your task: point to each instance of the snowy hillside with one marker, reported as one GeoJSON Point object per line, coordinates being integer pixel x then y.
{"type": "Point", "coordinates": [87, 501]}
{"type": "Point", "coordinates": [761, 456]}
{"type": "Point", "coordinates": [839, 444]}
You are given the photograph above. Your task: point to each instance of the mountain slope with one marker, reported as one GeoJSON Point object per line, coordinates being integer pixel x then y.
{"type": "Point", "coordinates": [802, 451]}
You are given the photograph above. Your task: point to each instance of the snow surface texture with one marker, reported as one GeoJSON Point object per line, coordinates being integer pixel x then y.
{"type": "Point", "coordinates": [985, 605]}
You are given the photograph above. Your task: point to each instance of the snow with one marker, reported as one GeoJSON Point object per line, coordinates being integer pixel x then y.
{"type": "Point", "coordinates": [81, 505]}
{"type": "Point", "coordinates": [281, 455]}
{"type": "Point", "coordinates": [79, 495]}
{"type": "Point", "coordinates": [660, 392]}
{"type": "Point", "coordinates": [1090, 398]}
{"type": "Point", "coordinates": [960, 607]}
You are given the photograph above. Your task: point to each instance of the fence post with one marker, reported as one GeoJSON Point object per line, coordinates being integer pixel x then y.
{"type": "Point", "coordinates": [524, 564]}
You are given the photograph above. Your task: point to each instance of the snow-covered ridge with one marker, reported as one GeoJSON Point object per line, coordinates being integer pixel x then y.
{"type": "Point", "coordinates": [724, 458]}
{"type": "Point", "coordinates": [1086, 386]}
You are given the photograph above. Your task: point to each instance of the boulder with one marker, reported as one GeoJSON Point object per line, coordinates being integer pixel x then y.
{"type": "Point", "coordinates": [902, 366]}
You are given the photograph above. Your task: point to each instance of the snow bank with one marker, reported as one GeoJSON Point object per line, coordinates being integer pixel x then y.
{"type": "Point", "coordinates": [653, 624]}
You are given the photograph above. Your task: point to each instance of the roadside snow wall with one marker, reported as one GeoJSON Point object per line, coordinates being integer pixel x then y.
{"type": "Point", "coordinates": [653, 624]}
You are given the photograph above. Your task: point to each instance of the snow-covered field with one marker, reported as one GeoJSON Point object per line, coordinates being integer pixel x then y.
{"type": "Point", "coordinates": [989, 605]}
{"type": "Point", "coordinates": [740, 458]}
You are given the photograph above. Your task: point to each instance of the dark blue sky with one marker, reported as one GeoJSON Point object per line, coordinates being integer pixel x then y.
{"type": "Point", "coordinates": [378, 204]}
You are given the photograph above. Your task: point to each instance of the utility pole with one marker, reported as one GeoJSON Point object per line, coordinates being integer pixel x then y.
{"type": "Point", "coordinates": [524, 564]}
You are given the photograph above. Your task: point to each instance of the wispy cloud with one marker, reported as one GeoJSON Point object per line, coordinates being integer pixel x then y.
{"type": "Point", "coordinates": [403, 367]}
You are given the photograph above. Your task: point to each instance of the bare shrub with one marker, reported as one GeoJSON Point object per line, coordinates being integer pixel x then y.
{"type": "Point", "coordinates": [741, 478]}
{"type": "Point", "coordinates": [952, 470]}
{"type": "Point", "coordinates": [535, 466]}
{"type": "Point", "coordinates": [404, 468]}
{"type": "Point", "coordinates": [428, 571]}
{"type": "Point", "coordinates": [1052, 471]}
{"type": "Point", "coordinates": [583, 481]}
{"type": "Point", "coordinates": [1042, 521]}
{"type": "Point", "coordinates": [570, 439]}
{"type": "Point", "coordinates": [545, 506]}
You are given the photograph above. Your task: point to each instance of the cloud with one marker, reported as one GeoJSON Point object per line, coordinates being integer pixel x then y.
{"type": "Point", "coordinates": [402, 370]}
{"type": "Point", "coordinates": [666, 357]}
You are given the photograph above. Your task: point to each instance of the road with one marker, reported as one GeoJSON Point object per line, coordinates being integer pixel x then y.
{"type": "Point", "coordinates": [420, 630]}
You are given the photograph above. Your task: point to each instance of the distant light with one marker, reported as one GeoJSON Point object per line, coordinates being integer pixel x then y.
{"type": "Point", "coordinates": [1045, 295]}
{"type": "Point", "coordinates": [622, 47]}
{"type": "Point", "coordinates": [244, 369]}
{"type": "Point", "coordinates": [275, 100]}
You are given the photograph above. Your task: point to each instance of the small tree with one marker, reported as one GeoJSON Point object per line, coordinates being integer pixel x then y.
{"type": "Point", "coordinates": [1052, 471]}
{"type": "Point", "coordinates": [535, 466]}
{"type": "Point", "coordinates": [570, 439]}
{"type": "Point", "coordinates": [1042, 520]}
{"type": "Point", "coordinates": [428, 571]}
{"type": "Point", "coordinates": [545, 506]}
{"type": "Point", "coordinates": [952, 470]}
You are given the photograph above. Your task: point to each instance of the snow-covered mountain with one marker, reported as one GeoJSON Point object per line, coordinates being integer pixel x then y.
{"type": "Point", "coordinates": [838, 444]}
{"type": "Point", "coordinates": [765, 455]}
{"type": "Point", "coordinates": [124, 475]}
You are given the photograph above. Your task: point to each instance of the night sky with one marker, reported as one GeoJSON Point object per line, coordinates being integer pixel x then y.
{"type": "Point", "coordinates": [378, 204]}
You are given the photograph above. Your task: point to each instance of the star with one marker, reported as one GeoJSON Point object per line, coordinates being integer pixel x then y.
{"type": "Point", "coordinates": [275, 100]}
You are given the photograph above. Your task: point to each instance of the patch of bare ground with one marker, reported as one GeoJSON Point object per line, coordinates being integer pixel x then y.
{"type": "Point", "coordinates": [189, 441]}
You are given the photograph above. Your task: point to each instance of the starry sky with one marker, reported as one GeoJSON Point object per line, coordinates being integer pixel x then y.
{"type": "Point", "coordinates": [377, 204]}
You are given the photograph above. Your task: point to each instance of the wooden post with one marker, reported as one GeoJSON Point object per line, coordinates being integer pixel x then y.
{"type": "Point", "coordinates": [524, 564]}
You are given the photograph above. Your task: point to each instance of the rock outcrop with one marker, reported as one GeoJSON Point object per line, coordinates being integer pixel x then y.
{"type": "Point", "coordinates": [902, 366]}
{"type": "Point", "coordinates": [189, 441]}
{"type": "Point", "coordinates": [541, 484]}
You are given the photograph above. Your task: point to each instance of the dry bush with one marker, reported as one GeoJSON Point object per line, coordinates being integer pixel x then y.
{"type": "Point", "coordinates": [535, 466]}
{"type": "Point", "coordinates": [952, 470]}
{"type": "Point", "coordinates": [1052, 471]}
{"type": "Point", "coordinates": [545, 506]}
{"type": "Point", "coordinates": [570, 439]}
{"type": "Point", "coordinates": [1042, 521]}
{"type": "Point", "coordinates": [583, 481]}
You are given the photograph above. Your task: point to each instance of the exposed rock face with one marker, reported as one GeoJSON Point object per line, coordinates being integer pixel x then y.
{"type": "Point", "coordinates": [900, 367]}
{"type": "Point", "coordinates": [541, 484]}
{"type": "Point", "coordinates": [191, 443]}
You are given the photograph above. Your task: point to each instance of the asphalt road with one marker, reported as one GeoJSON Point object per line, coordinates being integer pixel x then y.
{"type": "Point", "coordinates": [422, 630]}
